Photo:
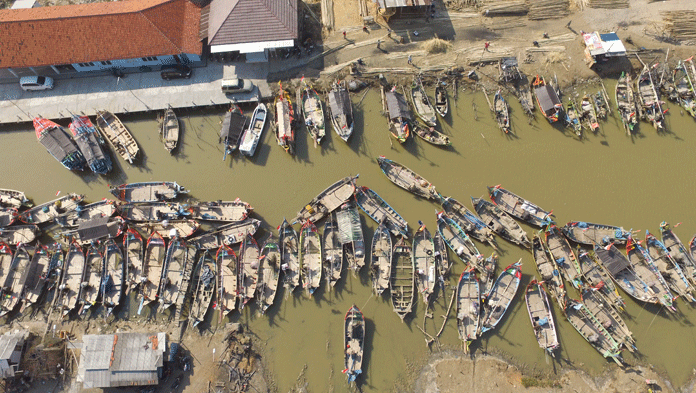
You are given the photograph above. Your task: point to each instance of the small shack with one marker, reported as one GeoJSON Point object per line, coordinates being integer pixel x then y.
{"type": "Point", "coordinates": [389, 8]}
{"type": "Point", "coordinates": [600, 48]}
{"type": "Point", "coordinates": [11, 348]}
{"type": "Point", "coordinates": [122, 359]}
{"type": "Point", "coordinates": [508, 68]}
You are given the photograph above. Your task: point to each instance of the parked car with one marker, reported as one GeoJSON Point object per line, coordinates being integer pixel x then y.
{"type": "Point", "coordinates": [36, 83]}
{"type": "Point", "coordinates": [237, 85]}
{"type": "Point", "coordinates": [176, 71]}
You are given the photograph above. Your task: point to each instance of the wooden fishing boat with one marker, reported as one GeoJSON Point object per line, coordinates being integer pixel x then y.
{"type": "Point", "coordinates": [252, 135]}
{"type": "Point", "coordinates": [548, 270]}
{"type": "Point", "coordinates": [649, 100]}
{"type": "Point", "coordinates": [327, 201]}
{"type": "Point", "coordinates": [500, 222]}
{"type": "Point", "coordinates": [169, 129]}
{"type": "Point", "coordinates": [14, 282]}
{"type": "Point", "coordinates": [468, 307]}
{"type": "Point", "coordinates": [313, 113]}
{"type": "Point", "coordinates": [48, 211]}
{"type": "Point", "coordinates": [14, 198]}
{"type": "Point", "coordinates": [590, 234]}
{"type": "Point", "coordinates": [153, 211]}
{"type": "Point", "coordinates": [37, 274]}
{"type": "Point", "coordinates": [519, 207]}
{"type": "Point", "coordinates": [431, 135]}
{"type": "Point", "coordinates": [54, 275]}
{"type": "Point", "coordinates": [441, 101]}
{"type": "Point", "coordinates": [524, 95]}
{"type": "Point", "coordinates": [589, 113]}
{"type": "Point", "coordinates": [8, 215]}
{"type": "Point", "coordinates": [231, 130]}
{"type": "Point", "coordinates": [401, 279]}
{"type": "Point", "coordinates": [685, 258]}
{"type": "Point", "coordinates": [380, 268]}
{"type": "Point", "coordinates": [203, 288]}
{"type": "Point", "coordinates": [441, 254]}
{"type": "Point", "coordinates": [269, 274]}
{"type": "Point", "coordinates": [169, 228]}
{"type": "Point", "coordinates": [398, 114]}
{"type": "Point", "coordinates": [645, 269]}
{"type": "Point", "coordinates": [228, 282]}
{"type": "Point", "coordinates": [572, 119]}
{"type": "Point", "coordinates": [114, 273]}
{"type": "Point", "coordinates": [19, 234]}
{"type": "Point", "coordinates": [285, 119]}
{"type": "Point", "coordinates": [540, 315]}
{"type": "Point", "coordinates": [92, 279]}
{"type": "Point", "coordinates": [73, 277]}
{"type": "Point", "coordinates": [601, 106]}
{"type": "Point", "coordinates": [668, 268]}
{"type": "Point", "coordinates": [563, 255]}
{"type": "Point", "coordinates": [685, 93]}
{"type": "Point", "coordinates": [289, 255]}
{"type": "Point", "coordinates": [333, 252]}
{"type": "Point", "coordinates": [350, 235]}
{"type": "Point", "coordinates": [54, 138]}
{"type": "Point", "coordinates": [625, 102]}
{"type": "Point", "coordinates": [598, 277]}
{"type": "Point", "coordinates": [499, 298]}
{"type": "Point", "coordinates": [594, 333]}
{"type": "Point", "coordinates": [426, 270]}
{"type": "Point", "coordinates": [421, 103]}
{"type": "Point", "coordinates": [229, 234]}
{"type": "Point", "coordinates": [502, 112]}
{"type": "Point", "coordinates": [147, 191]}
{"type": "Point", "coordinates": [407, 179]}
{"type": "Point", "coordinates": [468, 221]}
{"type": "Point", "coordinates": [118, 135]}
{"type": "Point", "coordinates": [379, 210]}
{"type": "Point", "coordinates": [99, 228]}
{"type": "Point", "coordinates": [354, 341]}
{"type": "Point", "coordinates": [228, 211]}
{"type": "Point", "coordinates": [82, 214]}
{"type": "Point", "coordinates": [547, 99]}
{"type": "Point", "coordinates": [6, 257]}
{"type": "Point", "coordinates": [341, 111]}
{"type": "Point", "coordinates": [133, 248]}
{"type": "Point", "coordinates": [172, 273]}
{"type": "Point", "coordinates": [249, 254]}
{"type": "Point", "coordinates": [155, 252]}
{"type": "Point", "coordinates": [310, 257]}
{"type": "Point", "coordinates": [89, 142]}
{"type": "Point", "coordinates": [486, 268]}
{"type": "Point", "coordinates": [457, 240]}
{"type": "Point", "coordinates": [607, 316]}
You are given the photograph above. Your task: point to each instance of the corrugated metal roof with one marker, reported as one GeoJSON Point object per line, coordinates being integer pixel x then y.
{"type": "Point", "coordinates": [94, 229]}
{"type": "Point", "coordinates": [96, 351]}
{"type": "Point", "coordinates": [8, 342]}
{"type": "Point", "coordinates": [244, 21]}
{"type": "Point", "coordinates": [397, 106]}
{"type": "Point", "coordinates": [403, 3]}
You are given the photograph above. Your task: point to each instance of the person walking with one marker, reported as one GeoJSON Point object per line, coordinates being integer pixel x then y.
{"type": "Point", "coordinates": [389, 33]}
{"type": "Point", "coordinates": [344, 36]}
{"type": "Point", "coordinates": [486, 45]}
{"type": "Point", "coordinates": [378, 42]}
{"type": "Point", "coordinates": [410, 60]}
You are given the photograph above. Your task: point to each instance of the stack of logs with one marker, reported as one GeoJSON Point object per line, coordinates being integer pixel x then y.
{"type": "Point", "coordinates": [547, 9]}
{"type": "Point", "coordinates": [610, 4]}
{"type": "Point", "coordinates": [680, 25]}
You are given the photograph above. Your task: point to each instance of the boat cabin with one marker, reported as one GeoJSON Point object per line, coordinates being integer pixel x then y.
{"type": "Point", "coordinates": [397, 105]}
{"type": "Point", "coordinates": [548, 100]}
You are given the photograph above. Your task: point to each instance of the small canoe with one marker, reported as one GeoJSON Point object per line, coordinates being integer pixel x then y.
{"type": "Point", "coordinates": [589, 113]}
{"type": "Point", "coordinates": [89, 142]}
{"type": "Point", "coordinates": [118, 135]}
{"type": "Point", "coordinates": [15, 280]}
{"type": "Point", "coordinates": [376, 208]}
{"type": "Point", "coordinates": [133, 247]}
{"type": "Point", "coordinates": [229, 234]}
{"type": "Point", "coordinates": [548, 270]}
{"type": "Point", "coordinates": [252, 136]}
{"type": "Point", "coordinates": [441, 254]}
{"type": "Point", "coordinates": [500, 222]}
{"type": "Point", "coordinates": [203, 288]}
{"type": "Point", "coordinates": [169, 228]}
{"type": "Point", "coordinates": [502, 112]}
{"type": "Point", "coordinates": [601, 106]}
{"type": "Point", "coordinates": [327, 201]}
{"type": "Point", "coordinates": [341, 111]}
{"type": "Point", "coordinates": [468, 307]}
{"type": "Point", "coordinates": [598, 277]}
{"type": "Point", "coordinates": [519, 207]}
{"type": "Point", "coordinates": [684, 92]}
{"type": "Point", "coordinates": [114, 273]}
{"type": "Point", "coordinates": [499, 298]}
{"type": "Point", "coordinates": [421, 103]}
{"type": "Point", "coordinates": [155, 252]}
{"type": "Point", "coordinates": [94, 272]}
{"type": "Point", "coordinates": [401, 281]}
{"type": "Point", "coordinates": [226, 211]}
{"type": "Point", "coordinates": [228, 283]}
{"type": "Point", "coordinates": [685, 258]}
{"type": "Point", "coordinates": [152, 211]}
{"type": "Point", "coordinates": [398, 114]}
{"type": "Point", "coordinates": [173, 273]}
{"type": "Point", "coordinates": [649, 100]}
{"type": "Point", "coordinates": [269, 274]}
{"type": "Point", "coordinates": [625, 102]}
{"type": "Point", "coordinates": [486, 268]}
{"type": "Point", "coordinates": [232, 128]}
{"type": "Point", "coordinates": [441, 101]}
{"type": "Point", "coordinates": [431, 135]}
{"type": "Point", "coordinates": [8, 215]}
{"type": "Point", "coordinates": [590, 234]}
{"type": "Point", "coordinates": [73, 276]}
{"type": "Point", "coordinates": [147, 191]}
{"type": "Point", "coordinates": [350, 235]}
{"type": "Point", "coordinates": [289, 255]}
{"type": "Point", "coordinates": [285, 119]}
{"type": "Point", "coordinates": [333, 252]}
{"type": "Point", "coordinates": [645, 269]}
{"type": "Point", "coordinates": [468, 221]}
{"type": "Point", "coordinates": [13, 198]}
{"type": "Point", "coordinates": [563, 255]}
{"type": "Point", "coordinates": [607, 317]}
{"type": "Point", "coordinates": [169, 130]}
{"type": "Point", "coordinates": [407, 179]}
{"type": "Point", "coordinates": [572, 119]}
{"type": "Point", "coordinates": [354, 341]}
{"type": "Point", "coordinates": [48, 211]}
{"type": "Point", "coordinates": [249, 254]}
{"type": "Point", "coordinates": [19, 234]}
{"type": "Point", "coordinates": [37, 274]}
{"type": "Point", "coordinates": [424, 263]}
{"type": "Point", "coordinates": [668, 268]}
{"type": "Point", "coordinates": [310, 257]}
{"type": "Point", "coordinates": [540, 315]}
{"type": "Point", "coordinates": [597, 335]}
{"type": "Point", "coordinates": [82, 214]}
{"type": "Point", "coordinates": [313, 113]}
{"type": "Point", "coordinates": [54, 138]}
{"type": "Point", "coordinates": [380, 268]}
{"type": "Point", "coordinates": [457, 240]}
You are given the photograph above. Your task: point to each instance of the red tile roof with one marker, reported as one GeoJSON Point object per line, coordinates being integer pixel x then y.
{"type": "Point", "coordinates": [98, 32]}
{"type": "Point", "coordinates": [243, 21]}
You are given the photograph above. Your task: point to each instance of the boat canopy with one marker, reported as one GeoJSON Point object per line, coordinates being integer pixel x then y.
{"type": "Point", "coordinates": [232, 124]}
{"type": "Point", "coordinates": [397, 105]}
{"type": "Point", "coordinates": [548, 99]}
{"type": "Point", "coordinates": [339, 102]}
{"type": "Point", "coordinates": [614, 263]}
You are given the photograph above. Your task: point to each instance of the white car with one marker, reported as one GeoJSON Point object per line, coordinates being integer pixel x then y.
{"type": "Point", "coordinates": [36, 83]}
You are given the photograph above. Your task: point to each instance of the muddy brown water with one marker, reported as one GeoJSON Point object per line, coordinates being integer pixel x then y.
{"type": "Point", "coordinates": [635, 182]}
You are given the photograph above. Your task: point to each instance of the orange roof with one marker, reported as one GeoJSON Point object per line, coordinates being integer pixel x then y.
{"type": "Point", "coordinates": [81, 33]}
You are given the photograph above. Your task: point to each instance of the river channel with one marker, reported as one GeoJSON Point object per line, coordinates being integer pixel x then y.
{"type": "Point", "coordinates": [635, 182]}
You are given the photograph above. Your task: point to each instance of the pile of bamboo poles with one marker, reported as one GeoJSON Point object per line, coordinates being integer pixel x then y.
{"type": "Point", "coordinates": [327, 14]}
{"type": "Point", "coordinates": [547, 9]}
{"type": "Point", "coordinates": [680, 25]}
{"type": "Point", "coordinates": [504, 7]}
{"type": "Point", "coordinates": [610, 4]}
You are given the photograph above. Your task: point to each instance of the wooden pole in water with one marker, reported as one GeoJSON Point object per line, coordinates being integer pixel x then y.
{"type": "Point", "coordinates": [485, 94]}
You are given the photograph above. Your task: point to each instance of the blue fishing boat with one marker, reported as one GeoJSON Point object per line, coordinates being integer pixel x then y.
{"type": "Point", "coordinates": [374, 206]}
{"type": "Point", "coordinates": [90, 141]}
{"type": "Point", "coordinates": [499, 298]}
{"type": "Point", "coordinates": [54, 138]}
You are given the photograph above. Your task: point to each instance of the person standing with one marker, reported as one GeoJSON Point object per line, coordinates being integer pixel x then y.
{"type": "Point", "coordinates": [410, 60]}
{"type": "Point", "coordinates": [344, 36]}
{"type": "Point", "coordinates": [486, 45]}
